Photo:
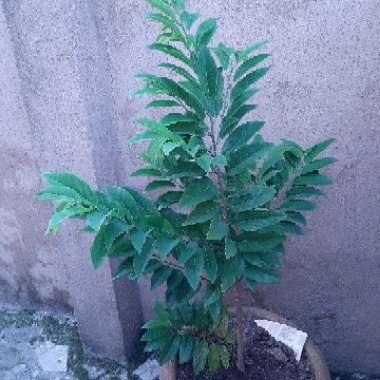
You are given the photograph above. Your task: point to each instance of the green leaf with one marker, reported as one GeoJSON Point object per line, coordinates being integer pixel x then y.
{"type": "Point", "coordinates": [138, 238]}
{"type": "Point", "coordinates": [142, 201]}
{"type": "Point", "coordinates": [241, 136]}
{"type": "Point", "coordinates": [212, 295]}
{"type": "Point", "coordinates": [262, 277]}
{"type": "Point", "coordinates": [157, 334]}
{"type": "Point", "coordinates": [298, 205]}
{"type": "Point", "coordinates": [211, 266]}
{"type": "Point", "coordinates": [160, 130]}
{"type": "Point", "coordinates": [246, 156]}
{"type": "Point", "coordinates": [98, 248]}
{"type": "Point", "coordinates": [221, 331]}
{"type": "Point", "coordinates": [248, 81]}
{"type": "Point", "coordinates": [171, 51]}
{"type": "Point", "coordinates": [318, 164]}
{"type": "Point", "coordinates": [204, 162]}
{"type": "Point", "coordinates": [213, 360]}
{"type": "Point", "coordinates": [249, 64]}
{"type": "Point", "coordinates": [178, 91]}
{"type": "Point", "coordinates": [234, 116]}
{"type": "Point", "coordinates": [205, 32]}
{"type": "Point", "coordinates": [150, 172]}
{"type": "Point", "coordinates": [68, 212]}
{"type": "Point", "coordinates": [314, 151]}
{"type": "Point", "coordinates": [216, 310]}
{"type": "Point", "coordinates": [261, 243]}
{"type": "Point", "coordinates": [241, 101]}
{"type": "Point", "coordinates": [96, 219]}
{"type": "Point", "coordinates": [162, 104]}
{"type": "Point", "coordinates": [180, 71]}
{"type": "Point", "coordinates": [313, 179]}
{"type": "Point", "coordinates": [168, 23]}
{"type": "Point", "coordinates": [252, 198]}
{"type": "Point", "coordinates": [125, 268]}
{"type": "Point", "coordinates": [219, 161]}
{"type": "Point", "coordinates": [67, 187]}
{"type": "Point", "coordinates": [228, 275]}
{"type": "Point", "coordinates": [156, 324]}
{"type": "Point", "coordinates": [160, 276]}
{"type": "Point", "coordinates": [224, 357]}
{"type": "Point", "coordinates": [114, 229]}
{"type": "Point", "coordinates": [200, 355]}
{"type": "Point", "coordinates": [202, 213]}
{"type": "Point", "coordinates": [162, 6]}
{"type": "Point", "coordinates": [186, 348]}
{"type": "Point", "coordinates": [251, 284]}
{"type": "Point", "coordinates": [188, 19]}
{"type": "Point", "coordinates": [256, 260]}
{"type": "Point", "coordinates": [295, 217]}
{"type": "Point", "coordinates": [198, 191]}
{"type": "Point", "coordinates": [257, 220]}
{"type": "Point", "coordinates": [288, 228]}
{"type": "Point", "coordinates": [218, 228]}
{"type": "Point", "coordinates": [161, 312]}
{"type": "Point", "coordinates": [187, 251]}
{"type": "Point", "coordinates": [224, 55]}
{"type": "Point", "coordinates": [121, 248]}
{"type": "Point", "coordinates": [169, 198]}
{"type": "Point", "coordinates": [304, 192]}
{"type": "Point", "coordinates": [194, 268]}
{"type": "Point", "coordinates": [152, 266]}
{"type": "Point", "coordinates": [165, 245]}
{"type": "Point", "coordinates": [123, 202]}
{"type": "Point", "coordinates": [141, 260]}
{"type": "Point", "coordinates": [230, 248]}
{"type": "Point", "coordinates": [179, 4]}
{"type": "Point", "coordinates": [175, 118]}
{"type": "Point", "coordinates": [184, 169]}
{"type": "Point", "coordinates": [277, 153]}
{"type": "Point", "coordinates": [194, 145]}
{"type": "Point", "coordinates": [170, 350]}
{"type": "Point", "coordinates": [242, 55]}
{"type": "Point", "coordinates": [154, 185]}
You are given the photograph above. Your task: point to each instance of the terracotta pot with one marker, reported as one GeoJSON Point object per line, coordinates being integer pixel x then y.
{"type": "Point", "coordinates": [321, 372]}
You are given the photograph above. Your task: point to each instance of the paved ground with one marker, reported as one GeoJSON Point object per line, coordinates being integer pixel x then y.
{"type": "Point", "coordinates": [354, 376]}
{"type": "Point", "coordinates": [24, 334]}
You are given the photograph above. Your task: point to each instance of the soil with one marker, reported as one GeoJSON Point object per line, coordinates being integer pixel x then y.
{"type": "Point", "coordinates": [265, 359]}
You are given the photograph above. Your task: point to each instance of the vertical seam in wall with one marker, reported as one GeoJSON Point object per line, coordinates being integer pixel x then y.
{"type": "Point", "coordinates": [104, 33]}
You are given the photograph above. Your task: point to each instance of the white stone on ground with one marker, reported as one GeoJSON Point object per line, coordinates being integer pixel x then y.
{"type": "Point", "coordinates": [150, 370]}
{"type": "Point", "coordinates": [290, 336]}
{"type": "Point", "coordinates": [20, 359]}
{"type": "Point", "coordinates": [51, 357]}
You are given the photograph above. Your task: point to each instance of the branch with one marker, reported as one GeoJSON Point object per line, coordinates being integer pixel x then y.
{"type": "Point", "coordinates": [281, 195]}
{"type": "Point", "coordinates": [174, 264]}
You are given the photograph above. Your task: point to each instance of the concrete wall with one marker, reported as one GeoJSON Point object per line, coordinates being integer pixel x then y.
{"type": "Point", "coordinates": [66, 74]}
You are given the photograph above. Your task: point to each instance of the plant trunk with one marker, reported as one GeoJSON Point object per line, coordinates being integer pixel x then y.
{"type": "Point", "coordinates": [240, 364]}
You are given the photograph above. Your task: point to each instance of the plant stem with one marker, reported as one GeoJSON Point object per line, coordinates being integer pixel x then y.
{"type": "Point", "coordinates": [240, 364]}
{"type": "Point", "coordinates": [174, 265]}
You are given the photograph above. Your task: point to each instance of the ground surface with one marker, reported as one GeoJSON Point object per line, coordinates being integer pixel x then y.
{"type": "Point", "coordinates": [24, 330]}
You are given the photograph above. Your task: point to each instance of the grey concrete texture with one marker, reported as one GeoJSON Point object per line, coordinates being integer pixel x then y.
{"type": "Point", "coordinates": [66, 77]}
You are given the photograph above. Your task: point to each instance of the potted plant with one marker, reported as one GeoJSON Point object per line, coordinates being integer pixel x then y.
{"type": "Point", "coordinates": [227, 198]}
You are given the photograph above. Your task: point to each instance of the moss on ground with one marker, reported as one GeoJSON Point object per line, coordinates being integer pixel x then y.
{"type": "Point", "coordinates": [62, 330]}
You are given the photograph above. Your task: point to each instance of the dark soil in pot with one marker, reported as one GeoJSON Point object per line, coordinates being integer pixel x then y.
{"type": "Point", "coordinates": [265, 358]}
